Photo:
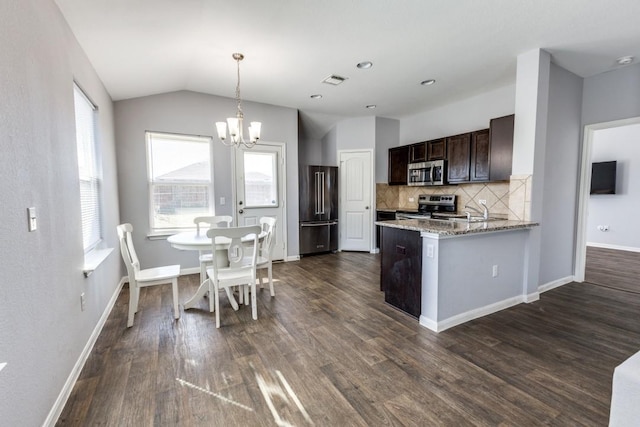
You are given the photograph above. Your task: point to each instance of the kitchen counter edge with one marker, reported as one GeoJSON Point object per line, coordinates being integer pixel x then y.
{"type": "Point", "coordinates": [456, 228]}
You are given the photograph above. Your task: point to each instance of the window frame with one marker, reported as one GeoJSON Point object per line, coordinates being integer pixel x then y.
{"type": "Point", "coordinates": [151, 183]}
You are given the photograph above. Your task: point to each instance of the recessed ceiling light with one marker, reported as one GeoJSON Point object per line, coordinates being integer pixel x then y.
{"type": "Point", "coordinates": [427, 82]}
{"type": "Point", "coordinates": [625, 60]}
{"type": "Point", "coordinates": [316, 96]}
{"type": "Point", "coordinates": [364, 65]}
{"type": "Point", "coordinates": [371, 106]}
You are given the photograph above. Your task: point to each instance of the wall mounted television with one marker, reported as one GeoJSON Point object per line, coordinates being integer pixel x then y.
{"type": "Point", "coordinates": [603, 178]}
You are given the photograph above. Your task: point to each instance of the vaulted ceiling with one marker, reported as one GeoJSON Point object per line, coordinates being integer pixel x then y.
{"type": "Point", "coordinates": [145, 47]}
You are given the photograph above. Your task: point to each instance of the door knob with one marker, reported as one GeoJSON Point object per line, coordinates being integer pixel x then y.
{"type": "Point", "coordinates": [366, 207]}
{"type": "Point", "coordinates": [240, 211]}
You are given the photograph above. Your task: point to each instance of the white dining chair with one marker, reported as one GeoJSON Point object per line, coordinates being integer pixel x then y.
{"type": "Point", "coordinates": [206, 258]}
{"type": "Point", "coordinates": [238, 272]}
{"type": "Point", "coordinates": [265, 251]}
{"type": "Point", "coordinates": [148, 277]}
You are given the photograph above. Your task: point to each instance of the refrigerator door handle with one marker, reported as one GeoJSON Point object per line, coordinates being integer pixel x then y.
{"type": "Point", "coordinates": [321, 193]}
{"type": "Point", "coordinates": [324, 224]}
{"type": "Point", "coordinates": [317, 194]}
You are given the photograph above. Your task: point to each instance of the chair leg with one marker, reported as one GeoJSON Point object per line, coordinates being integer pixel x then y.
{"type": "Point", "coordinates": [212, 306]}
{"type": "Point", "coordinates": [133, 304]}
{"type": "Point", "coordinates": [270, 273]}
{"type": "Point", "coordinates": [176, 309]}
{"type": "Point", "coordinates": [245, 288]}
{"type": "Point", "coordinates": [216, 297]}
{"type": "Point", "coordinates": [203, 272]}
{"type": "Point", "coordinates": [254, 303]}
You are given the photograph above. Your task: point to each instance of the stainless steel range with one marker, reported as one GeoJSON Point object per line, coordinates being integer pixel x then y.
{"type": "Point", "coordinates": [431, 206]}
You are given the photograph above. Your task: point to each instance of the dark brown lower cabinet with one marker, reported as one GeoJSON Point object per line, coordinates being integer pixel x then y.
{"type": "Point", "coordinates": [401, 269]}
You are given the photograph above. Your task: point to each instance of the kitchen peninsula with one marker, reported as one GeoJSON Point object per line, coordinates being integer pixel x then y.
{"type": "Point", "coordinates": [446, 272]}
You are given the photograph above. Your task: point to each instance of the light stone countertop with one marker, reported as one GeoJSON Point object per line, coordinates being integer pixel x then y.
{"type": "Point", "coordinates": [456, 228]}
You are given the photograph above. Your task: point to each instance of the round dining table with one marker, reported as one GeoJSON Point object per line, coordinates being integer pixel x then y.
{"type": "Point", "coordinates": [192, 241]}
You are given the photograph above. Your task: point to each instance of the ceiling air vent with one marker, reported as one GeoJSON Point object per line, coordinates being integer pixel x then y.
{"type": "Point", "coordinates": [334, 80]}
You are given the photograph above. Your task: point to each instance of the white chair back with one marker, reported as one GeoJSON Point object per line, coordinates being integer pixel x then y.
{"type": "Point", "coordinates": [128, 251]}
{"type": "Point", "coordinates": [268, 225]}
{"type": "Point", "coordinates": [212, 221]}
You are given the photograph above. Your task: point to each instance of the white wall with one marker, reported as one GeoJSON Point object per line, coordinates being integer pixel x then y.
{"type": "Point", "coordinates": [193, 114]}
{"type": "Point", "coordinates": [42, 328]}
{"type": "Point", "coordinates": [459, 117]}
{"type": "Point", "coordinates": [618, 211]}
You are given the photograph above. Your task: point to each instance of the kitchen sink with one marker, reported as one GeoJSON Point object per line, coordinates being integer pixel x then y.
{"type": "Point", "coordinates": [475, 219]}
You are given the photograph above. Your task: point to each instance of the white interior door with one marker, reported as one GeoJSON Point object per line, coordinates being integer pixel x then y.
{"type": "Point", "coordinates": [355, 185]}
{"type": "Point", "coordinates": [260, 178]}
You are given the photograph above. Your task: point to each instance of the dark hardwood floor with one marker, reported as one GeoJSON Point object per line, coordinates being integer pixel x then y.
{"type": "Point", "coordinates": [613, 268]}
{"type": "Point", "coordinates": [327, 351]}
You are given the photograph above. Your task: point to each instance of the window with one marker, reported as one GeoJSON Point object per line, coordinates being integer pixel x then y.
{"type": "Point", "coordinates": [180, 185]}
{"type": "Point", "coordinates": [89, 172]}
{"type": "Point", "coordinates": [260, 179]}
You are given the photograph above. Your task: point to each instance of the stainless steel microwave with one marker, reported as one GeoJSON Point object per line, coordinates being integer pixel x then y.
{"type": "Point", "coordinates": [427, 173]}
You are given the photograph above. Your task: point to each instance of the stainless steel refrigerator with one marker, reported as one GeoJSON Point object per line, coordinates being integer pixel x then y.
{"type": "Point", "coordinates": [318, 209]}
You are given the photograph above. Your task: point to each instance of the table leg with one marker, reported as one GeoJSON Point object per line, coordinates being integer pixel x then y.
{"type": "Point", "coordinates": [202, 290]}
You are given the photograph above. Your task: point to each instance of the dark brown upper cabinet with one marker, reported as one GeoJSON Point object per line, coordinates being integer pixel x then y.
{"type": "Point", "coordinates": [398, 165]}
{"type": "Point", "coordinates": [436, 149]}
{"type": "Point", "coordinates": [418, 152]}
{"type": "Point", "coordinates": [501, 141]}
{"type": "Point", "coordinates": [458, 158]}
{"type": "Point", "coordinates": [480, 148]}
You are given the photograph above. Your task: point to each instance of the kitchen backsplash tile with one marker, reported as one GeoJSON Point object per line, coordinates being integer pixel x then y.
{"type": "Point", "coordinates": [495, 193]}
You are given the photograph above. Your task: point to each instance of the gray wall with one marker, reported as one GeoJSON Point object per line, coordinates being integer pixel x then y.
{"type": "Point", "coordinates": [618, 211]}
{"type": "Point", "coordinates": [459, 117]}
{"type": "Point", "coordinates": [42, 328]}
{"type": "Point", "coordinates": [330, 147]}
{"type": "Point", "coordinates": [387, 136]}
{"type": "Point", "coordinates": [612, 96]}
{"type": "Point", "coordinates": [193, 114]}
{"type": "Point", "coordinates": [561, 172]}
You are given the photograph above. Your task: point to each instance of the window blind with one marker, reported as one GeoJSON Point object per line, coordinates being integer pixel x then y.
{"type": "Point", "coordinates": [87, 168]}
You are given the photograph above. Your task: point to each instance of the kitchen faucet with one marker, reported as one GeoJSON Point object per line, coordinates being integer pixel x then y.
{"type": "Point", "coordinates": [485, 213]}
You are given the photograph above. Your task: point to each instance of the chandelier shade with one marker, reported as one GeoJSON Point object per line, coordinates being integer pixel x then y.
{"type": "Point", "coordinates": [235, 124]}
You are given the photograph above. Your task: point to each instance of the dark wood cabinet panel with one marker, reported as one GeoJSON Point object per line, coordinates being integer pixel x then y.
{"type": "Point", "coordinates": [458, 158]}
{"type": "Point", "coordinates": [418, 152]}
{"type": "Point", "coordinates": [436, 149]}
{"type": "Point", "coordinates": [398, 162]}
{"type": "Point", "coordinates": [501, 140]}
{"type": "Point", "coordinates": [480, 148]}
{"type": "Point", "coordinates": [401, 269]}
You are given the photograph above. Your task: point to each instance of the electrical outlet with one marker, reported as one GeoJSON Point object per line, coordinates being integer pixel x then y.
{"type": "Point", "coordinates": [222, 201]}
{"type": "Point", "coordinates": [494, 271]}
{"type": "Point", "coordinates": [82, 302]}
{"type": "Point", "coordinates": [482, 201]}
{"type": "Point", "coordinates": [603, 227]}
{"type": "Point", "coordinates": [412, 199]}
{"type": "Point", "coordinates": [430, 251]}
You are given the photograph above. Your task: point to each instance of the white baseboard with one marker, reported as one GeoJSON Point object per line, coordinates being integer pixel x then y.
{"type": "Point", "coordinates": [533, 297]}
{"type": "Point", "coordinates": [293, 258]}
{"type": "Point", "coordinates": [470, 315]}
{"type": "Point", "coordinates": [190, 270]}
{"type": "Point", "coordinates": [58, 406]}
{"type": "Point", "coordinates": [616, 247]}
{"type": "Point", "coordinates": [556, 283]}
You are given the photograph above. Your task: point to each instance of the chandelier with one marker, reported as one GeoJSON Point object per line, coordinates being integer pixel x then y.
{"type": "Point", "coordinates": [236, 123]}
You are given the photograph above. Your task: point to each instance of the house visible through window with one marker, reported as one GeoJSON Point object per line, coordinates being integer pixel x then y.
{"type": "Point", "coordinates": [180, 185]}
{"type": "Point", "coordinates": [89, 172]}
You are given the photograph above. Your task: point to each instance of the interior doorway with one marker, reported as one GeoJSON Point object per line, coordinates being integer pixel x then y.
{"type": "Point", "coordinates": [590, 136]}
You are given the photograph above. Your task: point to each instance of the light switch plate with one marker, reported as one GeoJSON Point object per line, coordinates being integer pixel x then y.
{"type": "Point", "coordinates": [33, 223]}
